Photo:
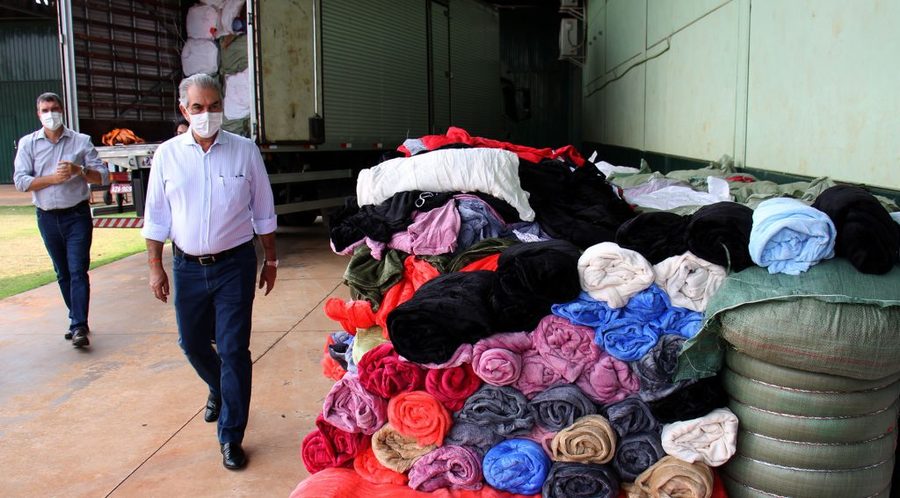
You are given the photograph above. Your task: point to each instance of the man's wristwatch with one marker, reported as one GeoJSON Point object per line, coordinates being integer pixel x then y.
{"type": "Point", "coordinates": [272, 262]}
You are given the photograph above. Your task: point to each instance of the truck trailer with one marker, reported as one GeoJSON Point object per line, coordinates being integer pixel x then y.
{"type": "Point", "coordinates": [334, 84]}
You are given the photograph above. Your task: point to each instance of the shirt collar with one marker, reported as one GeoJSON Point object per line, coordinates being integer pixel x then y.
{"type": "Point", "coordinates": [42, 133]}
{"type": "Point", "coordinates": [187, 138]}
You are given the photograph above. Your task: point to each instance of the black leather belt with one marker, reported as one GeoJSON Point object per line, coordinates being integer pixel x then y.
{"type": "Point", "coordinates": [209, 259]}
{"type": "Point", "coordinates": [76, 207]}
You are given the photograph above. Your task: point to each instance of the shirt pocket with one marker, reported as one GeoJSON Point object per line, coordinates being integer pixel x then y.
{"type": "Point", "coordinates": [233, 192]}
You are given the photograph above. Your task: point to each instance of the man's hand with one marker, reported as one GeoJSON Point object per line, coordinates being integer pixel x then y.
{"type": "Point", "coordinates": [159, 282]}
{"type": "Point", "coordinates": [66, 170]}
{"type": "Point", "coordinates": [267, 277]}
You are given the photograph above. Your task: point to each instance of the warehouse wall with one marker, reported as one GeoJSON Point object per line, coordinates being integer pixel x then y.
{"type": "Point", "coordinates": [806, 87]}
{"type": "Point", "coordinates": [29, 66]}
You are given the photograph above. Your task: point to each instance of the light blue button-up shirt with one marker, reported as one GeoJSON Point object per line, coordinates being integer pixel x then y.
{"type": "Point", "coordinates": [37, 156]}
{"type": "Point", "coordinates": [207, 202]}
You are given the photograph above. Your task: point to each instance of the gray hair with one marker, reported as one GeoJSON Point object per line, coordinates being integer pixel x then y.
{"type": "Point", "coordinates": [48, 97]}
{"type": "Point", "coordinates": [200, 80]}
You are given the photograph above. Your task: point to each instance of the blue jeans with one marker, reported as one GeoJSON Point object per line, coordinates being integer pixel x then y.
{"type": "Point", "coordinates": [217, 301]}
{"type": "Point", "coordinates": [67, 235]}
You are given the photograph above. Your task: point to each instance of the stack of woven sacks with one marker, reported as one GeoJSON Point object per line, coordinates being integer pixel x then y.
{"type": "Point", "coordinates": [479, 358]}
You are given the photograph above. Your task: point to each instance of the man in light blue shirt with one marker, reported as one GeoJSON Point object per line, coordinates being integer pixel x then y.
{"type": "Point", "coordinates": [56, 165]}
{"type": "Point", "coordinates": [209, 193]}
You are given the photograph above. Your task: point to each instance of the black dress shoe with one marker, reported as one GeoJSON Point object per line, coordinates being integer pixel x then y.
{"type": "Point", "coordinates": [71, 331]}
{"type": "Point", "coordinates": [213, 405]}
{"type": "Point", "coordinates": [80, 337]}
{"type": "Point", "coordinates": [233, 457]}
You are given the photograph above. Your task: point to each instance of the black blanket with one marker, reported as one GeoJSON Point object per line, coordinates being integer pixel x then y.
{"type": "Point", "coordinates": [656, 236]}
{"type": "Point", "coordinates": [443, 314]}
{"type": "Point", "coordinates": [720, 234]}
{"type": "Point", "coordinates": [866, 234]}
{"type": "Point", "coordinates": [530, 278]}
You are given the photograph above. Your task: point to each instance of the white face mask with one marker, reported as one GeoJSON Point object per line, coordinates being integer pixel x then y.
{"type": "Point", "coordinates": [206, 124]}
{"type": "Point", "coordinates": [52, 120]}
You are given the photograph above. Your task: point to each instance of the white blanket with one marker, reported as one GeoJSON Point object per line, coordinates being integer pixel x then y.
{"type": "Point", "coordinates": [490, 171]}
{"type": "Point", "coordinates": [688, 280]}
{"type": "Point", "coordinates": [199, 56]}
{"type": "Point", "coordinates": [710, 439]}
{"type": "Point", "coordinates": [613, 274]}
{"type": "Point", "coordinates": [202, 22]}
{"type": "Point", "coordinates": [237, 95]}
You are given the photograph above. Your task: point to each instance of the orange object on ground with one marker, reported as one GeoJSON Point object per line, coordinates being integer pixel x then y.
{"type": "Point", "coordinates": [346, 483]}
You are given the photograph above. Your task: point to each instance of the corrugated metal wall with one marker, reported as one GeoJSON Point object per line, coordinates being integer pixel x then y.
{"type": "Point", "coordinates": [374, 92]}
{"type": "Point", "coordinates": [29, 66]}
{"type": "Point", "coordinates": [476, 104]}
{"type": "Point", "coordinates": [440, 60]}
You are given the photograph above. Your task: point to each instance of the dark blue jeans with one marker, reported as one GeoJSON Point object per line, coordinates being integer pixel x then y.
{"type": "Point", "coordinates": [67, 234]}
{"type": "Point", "coordinates": [217, 301]}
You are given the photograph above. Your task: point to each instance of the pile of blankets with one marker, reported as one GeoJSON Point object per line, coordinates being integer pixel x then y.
{"type": "Point", "coordinates": [514, 357]}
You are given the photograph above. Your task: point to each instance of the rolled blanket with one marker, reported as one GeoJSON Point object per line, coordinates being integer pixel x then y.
{"type": "Point", "coordinates": [587, 311]}
{"type": "Point", "coordinates": [612, 274]}
{"type": "Point", "coordinates": [679, 321]}
{"type": "Point", "coordinates": [396, 451]}
{"type": "Point", "coordinates": [342, 483]}
{"type": "Point", "coordinates": [565, 347]}
{"type": "Point", "coordinates": [656, 236]}
{"type": "Point", "coordinates": [340, 348]}
{"type": "Point", "coordinates": [609, 380]}
{"type": "Point", "coordinates": [350, 407]}
{"type": "Point", "coordinates": [530, 278]}
{"type": "Point", "coordinates": [636, 452]}
{"type": "Point", "coordinates": [497, 359]}
{"type": "Point", "coordinates": [629, 339]}
{"type": "Point", "coordinates": [351, 315]}
{"type": "Point", "coordinates": [710, 438]}
{"type": "Point", "coordinates": [692, 401]}
{"type": "Point", "coordinates": [369, 468]}
{"type": "Point", "coordinates": [419, 415]}
{"type": "Point", "coordinates": [503, 409]}
{"type": "Point", "coordinates": [560, 406]}
{"type": "Point", "coordinates": [591, 439]}
{"type": "Point", "coordinates": [631, 415]}
{"type": "Point", "coordinates": [577, 480]}
{"type": "Point", "coordinates": [366, 340]}
{"type": "Point", "coordinates": [720, 233]}
{"type": "Point", "coordinates": [369, 278]}
{"type": "Point", "coordinates": [491, 171]}
{"type": "Point", "coordinates": [517, 466]}
{"type": "Point", "coordinates": [673, 477]}
{"type": "Point", "coordinates": [536, 375]}
{"type": "Point", "coordinates": [657, 368]}
{"type": "Point", "coordinates": [454, 467]}
{"type": "Point", "coordinates": [327, 446]}
{"type": "Point", "coordinates": [789, 237]}
{"type": "Point", "coordinates": [462, 356]}
{"type": "Point", "coordinates": [382, 372]}
{"type": "Point", "coordinates": [866, 234]}
{"type": "Point", "coordinates": [452, 386]}
{"type": "Point", "coordinates": [688, 280]}
{"type": "Point", "coordinates": [478, 437]}
{"type": "Point", "coordinates": [542, 437]}
{"type": "Point", "coordinates": [445, 313]}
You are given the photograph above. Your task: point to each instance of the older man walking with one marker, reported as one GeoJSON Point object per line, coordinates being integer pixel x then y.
{"type": "Point", "coordinates": [56, 165]}
{"type": "Point", "coordinates": [210, 194]}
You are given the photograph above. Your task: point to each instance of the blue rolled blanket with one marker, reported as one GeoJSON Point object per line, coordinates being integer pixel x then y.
{"type": "Point", "coordinates": [517, 466]}
{"type": "Point", "coordinates": [789, 237]}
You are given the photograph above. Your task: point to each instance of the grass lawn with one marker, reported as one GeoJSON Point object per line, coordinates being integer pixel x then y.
{"type": "Point", "coordinates": [25, 263]}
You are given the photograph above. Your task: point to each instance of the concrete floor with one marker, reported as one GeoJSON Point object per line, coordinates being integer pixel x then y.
{"type": "Point", "coordinates": [124, 417]}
